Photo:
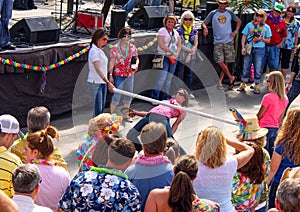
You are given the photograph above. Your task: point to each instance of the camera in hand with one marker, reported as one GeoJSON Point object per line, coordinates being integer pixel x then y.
{"type": "Point", "coordinates": [133, 63]}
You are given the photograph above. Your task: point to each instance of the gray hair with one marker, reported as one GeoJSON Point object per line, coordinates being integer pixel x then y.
{"type": "Point", "coordinates": [25, 178]}
{"type": "Point", "coordinates": [288, 194]}
{"type": "Point", "coordinates": [38, 118]}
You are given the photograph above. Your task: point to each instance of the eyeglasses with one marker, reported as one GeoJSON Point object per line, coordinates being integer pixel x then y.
{"type": "Point", "coordinates": [291, 11]}
{"type": "Point", "coordinates": [259, 15]}
{"type": "Point", "coordinates": [127, 36]}
{"type": "Point", "coordinates": [180, 94]}
{"type": "Point", "coordinates": [188, 19]}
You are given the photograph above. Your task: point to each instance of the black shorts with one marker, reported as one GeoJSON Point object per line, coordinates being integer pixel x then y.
{"type": "Point", "coordinates": [285, 58]}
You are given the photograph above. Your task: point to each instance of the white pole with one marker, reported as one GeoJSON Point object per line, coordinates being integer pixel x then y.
{"type": "Point", "coordinates": [133, 95]}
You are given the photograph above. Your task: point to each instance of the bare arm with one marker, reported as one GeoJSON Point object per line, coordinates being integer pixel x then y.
{"type": "Point", "coordinates": [7, 204]}
{"type": "Point", "coordinates": [171, 5]}
{"type": "Point", "coordinates": [261, 112]}
{"type": "Point", "coordinates": [151, 203]}
{"type": "Point", "coordinates": [275, 163]}
{"type": "Point", "coordinates": [243, 41]}
{"type": "Point", "coordinates": [204, 27]}
{"type": "Point", "coordinates": [176, 123]}
{"type": "Point", "coordinates": [245, 152]}
{"type": "Point", "coordinates": [292, 76]}
{"type": "Point", "coordinates": [59, 210]}
{"type": "Point", "coordinates": [237, 28]}
{"type": "Point", "coordinates": [100, 73]}
{"type": "Point", "coordinates": [111, 69]}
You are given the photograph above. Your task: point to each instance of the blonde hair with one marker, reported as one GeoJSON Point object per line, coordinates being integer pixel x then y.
{"type": "Point", "coordinates": [277, 84]}
{"type": "Point", "coordinates": [261, 12]}
{"type": "Point", "coordinates": [98, 122]}
{"type": "Point", "coordinates": [289, 135]}
{"type": "Point", "coordinates": [189, 14]}
{"type": "Point", "coordinates": [211, 147]}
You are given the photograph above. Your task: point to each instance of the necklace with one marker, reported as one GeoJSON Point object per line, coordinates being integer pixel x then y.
{"type": "Point", "coordinates": [126, 50]}
{"type": "Point", "coordinates": [109, 171]}
{"type": "Point", "coordinates": [258, 28]}
{"type": "Point", "coordinates": [287, 22]}
{"type": "Point", "coordinates": [42, 162]}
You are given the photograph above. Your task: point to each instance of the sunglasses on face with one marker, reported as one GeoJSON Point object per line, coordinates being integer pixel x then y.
{"type": "Point", "coordinates": [223, 3]}
{"type": "Point", "coordinates": [259, 15]}
{"type": "Point", "coordinates": [188, 19]}
{"type": "Point", "coordinates": [291, 11]}
{"type": "Point", "coordinates": [180, 93]}
{"type": "Point", "coordinates": [127, 36]}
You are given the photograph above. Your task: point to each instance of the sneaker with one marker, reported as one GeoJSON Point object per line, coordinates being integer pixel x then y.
{"type": "Point", "coordinates": [8, 47]}
{"type": "Point", "coordinates": [256, 89]}
{"type": "Point", "coordinates": [252, 86]}
{"type": "Point", "coordinates": [242, 87]}
{"type": "Point", "coordinates": [192, 96]}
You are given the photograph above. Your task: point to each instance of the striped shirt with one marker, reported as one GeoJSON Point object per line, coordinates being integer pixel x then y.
{"type": "Point", "coordinates": [8, 163]}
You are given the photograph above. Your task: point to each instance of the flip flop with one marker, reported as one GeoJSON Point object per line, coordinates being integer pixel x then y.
{"type": "Point", "coordinates": [230, 86]}
{"type": "Point", "coordinates": [220, 87]}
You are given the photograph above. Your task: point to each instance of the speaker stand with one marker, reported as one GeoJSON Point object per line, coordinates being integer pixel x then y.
{"type": "Point", "coordinates": [76, 20]}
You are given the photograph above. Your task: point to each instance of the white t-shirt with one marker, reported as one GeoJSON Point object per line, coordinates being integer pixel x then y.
{"type": "Point", "coordinates": [97, 54]}
{"type": "Point", "coordinates": [215, 184]}
{"type": "Point", "coordinates": [26, 204]}
{"type": "Point", "coordinates": [167, 37]}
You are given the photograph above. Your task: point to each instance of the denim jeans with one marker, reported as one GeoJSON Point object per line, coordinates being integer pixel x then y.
{"type": "Point", "coordinates": [271, 136]}
{"type": "Point", "coordinates": [164, 120]}
{"type": "Point", "coordinates": [98, 94]}
{"type": "Point", "coordinates": [164, 80]}
{"type": "Point", "coordinates": [257, 58]}
{"type": "Point", "coordinates": [133, 133]}
{"type": "Point", "coordinates": [272, 194]}
{"type": "Point", "coordinates": [128, 7]}
{"type": "Point", "coordinates": [186, 76]}
{"type": "Point", "coordinates": [294, 91]}
{"type": "Point", "coordinates": [272, 57]}
{"type": "Point", "coordinates": [123, 83]}
{"type": "Point", "coordinates": [6, 7]}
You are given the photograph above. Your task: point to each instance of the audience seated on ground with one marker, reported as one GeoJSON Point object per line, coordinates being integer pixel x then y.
{"type": "Point", "coordinates": [38, 118]}
{"type": "Point", "coordinates": [56, 179]}
{"type": "Point", "coordinates": [26, 180]}
{"type": "Point", "coordinates": [9, 128]}
{"type": "Point", "coordinates": [287, 196]}
{"type": "Point", "coordinates": [106, 187]}
{"type": "Point", "coordinates": [99, 130]}
{"type": "Point", "coordinates": [216, 170]}
{"type": "Point", "coordinates": [181, 195]}
{"type": "Point", "coordinates": [153, 169]}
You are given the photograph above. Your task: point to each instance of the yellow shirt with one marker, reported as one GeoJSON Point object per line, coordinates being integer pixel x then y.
{"type": "Point", "coordinates": [8, 163]}
{"type": "Point", "coordinates": [18, 148]}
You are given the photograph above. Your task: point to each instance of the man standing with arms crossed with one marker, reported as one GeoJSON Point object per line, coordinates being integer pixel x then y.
{"type": "Point", "coordinates": [223, 38]}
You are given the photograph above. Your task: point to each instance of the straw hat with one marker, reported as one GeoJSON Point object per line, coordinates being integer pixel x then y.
{"type": "Point", "coordinates": [252, 130]}
{"type": "Point", "coordinates": [223, 1]}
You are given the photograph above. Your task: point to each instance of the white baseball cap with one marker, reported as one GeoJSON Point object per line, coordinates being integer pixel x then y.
{"type": "Point", "coordinates": [9, 124]}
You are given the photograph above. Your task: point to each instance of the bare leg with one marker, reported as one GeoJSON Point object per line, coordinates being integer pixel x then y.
{"type": "Point", "coordinates": [225, 70]}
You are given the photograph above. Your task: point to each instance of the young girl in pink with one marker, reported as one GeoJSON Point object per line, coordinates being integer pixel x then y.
{"type": "Point", "coordinates": [272, 107]}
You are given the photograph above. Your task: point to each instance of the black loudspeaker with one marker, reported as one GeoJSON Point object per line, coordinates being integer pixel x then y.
{"type": "Point", "coordinates": [210, 6]}
{"type": "Point", "coordinates": [149, 17]}
{"type": "Point", "coordinates": [35, 30]}
{"type": "Point", "coordinates": [117, 21]}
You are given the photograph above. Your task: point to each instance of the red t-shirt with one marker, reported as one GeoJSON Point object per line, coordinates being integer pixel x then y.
{"type": "Point", "coordinates": [278, 31]}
